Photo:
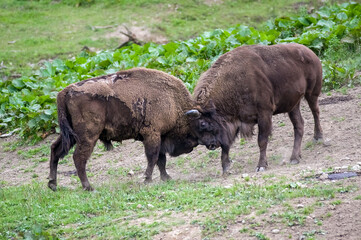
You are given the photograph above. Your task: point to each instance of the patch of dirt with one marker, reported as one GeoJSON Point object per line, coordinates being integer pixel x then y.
{"type": "Point", "coordinates": [341, 122]}
{"type": "Point", "coordinates": [213, 2]}
{"type": "Point", "coordinates": [142, 34]}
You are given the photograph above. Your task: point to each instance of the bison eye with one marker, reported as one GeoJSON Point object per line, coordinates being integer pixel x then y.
{"type": "Point", "coordinates": [203, 126]}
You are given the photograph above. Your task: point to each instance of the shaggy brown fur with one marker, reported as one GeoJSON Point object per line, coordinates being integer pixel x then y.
{"type": "Point", "coordinates": [249, 84]}
{"type": "Point", "coordinates": [141, 104]}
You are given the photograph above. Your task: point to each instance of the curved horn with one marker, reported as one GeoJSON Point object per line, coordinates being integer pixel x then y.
{"type": "Point", "coordinates": [194, 113]}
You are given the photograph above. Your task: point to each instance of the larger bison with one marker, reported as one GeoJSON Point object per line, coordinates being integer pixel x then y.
{"type": "Point", "coordinates": [141, 104]}
{"type": "Point", "coordinates": [248, 85]}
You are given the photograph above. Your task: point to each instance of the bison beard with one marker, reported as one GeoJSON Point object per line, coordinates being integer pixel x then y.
{"type": "Point", "coordinates": [248, 85]}
{"type": "Point", "coordinates": [140, 104]}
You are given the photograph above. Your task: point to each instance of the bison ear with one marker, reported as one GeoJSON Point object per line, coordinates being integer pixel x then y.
{"type": "Point", "coordinates": [194, 114]}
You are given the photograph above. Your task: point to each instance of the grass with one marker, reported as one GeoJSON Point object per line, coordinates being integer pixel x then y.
{"type": "Point", "coordinates": [41, 30]}
{"type": "Point", "coordinates": [133, 210]}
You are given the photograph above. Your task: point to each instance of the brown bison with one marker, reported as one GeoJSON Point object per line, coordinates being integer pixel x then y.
{"type": "Point", "coordinates": [248, 85]}
{"type": "Point", "coordinates": [140, 104]}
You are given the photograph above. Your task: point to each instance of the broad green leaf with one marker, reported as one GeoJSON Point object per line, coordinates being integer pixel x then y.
{"type": "Point", "coordinates": [325, 23]}
{"type": "Point", "coordinates": [32, 123]}
{"type": "Point", "coordinates": [342, 16]}
{"type": "Point", "coordinates": [304, 21]}
{"type": "Point", "coordinates": [18, 83]}
{"type": "Point", "coordinates": [9, 119]}
{"type": "Point", "coordinates": [48, 111]}
{"type": "Point", "coordinates": [31, 85]}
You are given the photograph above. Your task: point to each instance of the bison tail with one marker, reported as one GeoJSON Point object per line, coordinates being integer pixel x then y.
{"type": "Point", "coordinates": [68, 136]}
{"type": "Point", "coordinates": [107, 144]}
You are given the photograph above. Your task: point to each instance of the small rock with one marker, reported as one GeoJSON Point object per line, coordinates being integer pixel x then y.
{"type": "Point", "coordinates": [327, 143]}
{"type": "Point", "coordinates": [356, 168]}
{"type": "Point", "coordinates": [359, 163]}
{"type": "Point", "coordinates": [150, 205]}
{"type": "Point", "coordinates": [275, 231]}
{"type": "Point", "coordinates": [245, 175]}
{"type": "Point", "coordinates": [300, 206]}
{"type": "Point", "coordinates": [228, 186]}
{"type": "Point", "coordinates": [345, 158]}
{"type": "Point", "coordinates": [344, 167]}
{"type": "Point", "coordinates": [131, 173]}
{"type": "Point", "coordinates": [323, 176]}
{"type": "Point", "coordinates": [332, 207]}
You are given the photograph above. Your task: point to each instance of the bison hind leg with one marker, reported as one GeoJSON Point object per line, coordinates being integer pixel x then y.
{"type": "Point", "coordinates": [298, 126]}
{"type": "Point", "coordinates": [57, 152]}
{"type": "Point", "coordinates": [312, 101]}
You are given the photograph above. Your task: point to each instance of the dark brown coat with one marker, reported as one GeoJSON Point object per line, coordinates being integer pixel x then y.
{"type": "Point", "coordinates": [141, 104]}
{"type": "Point", "coordinates": [248, 85]}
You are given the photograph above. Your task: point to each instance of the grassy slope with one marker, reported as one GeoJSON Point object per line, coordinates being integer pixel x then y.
{"type": "Point", "coordinates": [33, 30]}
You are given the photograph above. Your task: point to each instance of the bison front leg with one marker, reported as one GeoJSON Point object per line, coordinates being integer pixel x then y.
{"type": "Point", "coordinates": [226, 163]}
{"type": "Point", "coordinates": [162, 160]}
{"type": "Point", "coordinates": [264, 131]}
{"type": "Point", "coordinates": [152, 148]}
{"type": "Point", "coordinates": [298, 125]}
{"type": "Point", "coordinates": [81, 155]}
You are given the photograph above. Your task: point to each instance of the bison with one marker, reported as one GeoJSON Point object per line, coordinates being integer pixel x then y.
{"type": "Point", "coordinates": [248, 85]}
{"type": "Point", "coordinates": [141, 104]}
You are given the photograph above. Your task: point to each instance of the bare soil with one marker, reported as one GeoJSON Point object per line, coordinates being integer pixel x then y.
{"type": "Point", "coordinates": [341, 122]}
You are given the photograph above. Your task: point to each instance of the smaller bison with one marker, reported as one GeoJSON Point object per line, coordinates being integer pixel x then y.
{"type": "Point", "coordinates": [248, 85]}
{"type": "Point", "coordinates": [140, 104]}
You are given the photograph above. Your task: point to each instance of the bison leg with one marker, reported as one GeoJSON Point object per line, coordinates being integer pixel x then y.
{"type": "Point", "coordinates": [56, 152]}
{"type": "Point", "coordinates": [152, 147]}
{"type": "Point", "coordinates": [226, 163]}
{"type": "Point", "coordinates": [162, 160]}
{"type": "Point", "coordinates": [264, 131]}
{"type": "Point", "coordinates": [312, 101]}
{"type": "Point", "coordinates": [81, 155]}
{"type": "Point", "coordinates": [298, 126]}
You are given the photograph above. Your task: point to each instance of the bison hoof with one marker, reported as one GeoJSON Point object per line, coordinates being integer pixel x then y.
{"type": "Point", "coordinates": [165, 177]}
{"type": "Point", "coordinates": [260, 169]}
{"type": "Point", "coordinates": [52, 185]}
{"type": "Point", "coordinates": [226, 173]}
{"type": "Point", "coordinates": [317, 139]}
{"type": "Point", "coordinates": [226, 168]}
{"type": "Point", "coordinates": [88, 188]}
{"type": "Point", "coordinates": [295, 161]}
{"type": "Point", "coordinates": [147, 180]}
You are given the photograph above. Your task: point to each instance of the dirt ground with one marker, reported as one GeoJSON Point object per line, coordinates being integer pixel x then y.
{"type": "Point", "coordinates": [341, 122]}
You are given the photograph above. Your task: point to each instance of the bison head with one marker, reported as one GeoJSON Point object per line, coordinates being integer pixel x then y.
{"type": "Point", "coordinates": [206, 126]}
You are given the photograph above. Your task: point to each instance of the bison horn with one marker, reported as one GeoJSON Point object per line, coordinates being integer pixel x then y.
{"type": "Point", "coordinates": [194, 113]}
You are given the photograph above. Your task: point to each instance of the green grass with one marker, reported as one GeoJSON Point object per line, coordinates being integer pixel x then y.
{"type": "Point", "coordinates": [36, 30]}
{"type": "Point", "coordinates": [121, 209]}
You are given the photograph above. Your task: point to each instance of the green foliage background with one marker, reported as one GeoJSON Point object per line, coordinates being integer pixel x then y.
{"type": "Point", "coordinates": [332, 32]}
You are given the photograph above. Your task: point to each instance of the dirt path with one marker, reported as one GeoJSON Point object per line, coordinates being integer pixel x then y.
{"type": "Point", "coordinates": [341, 122]}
